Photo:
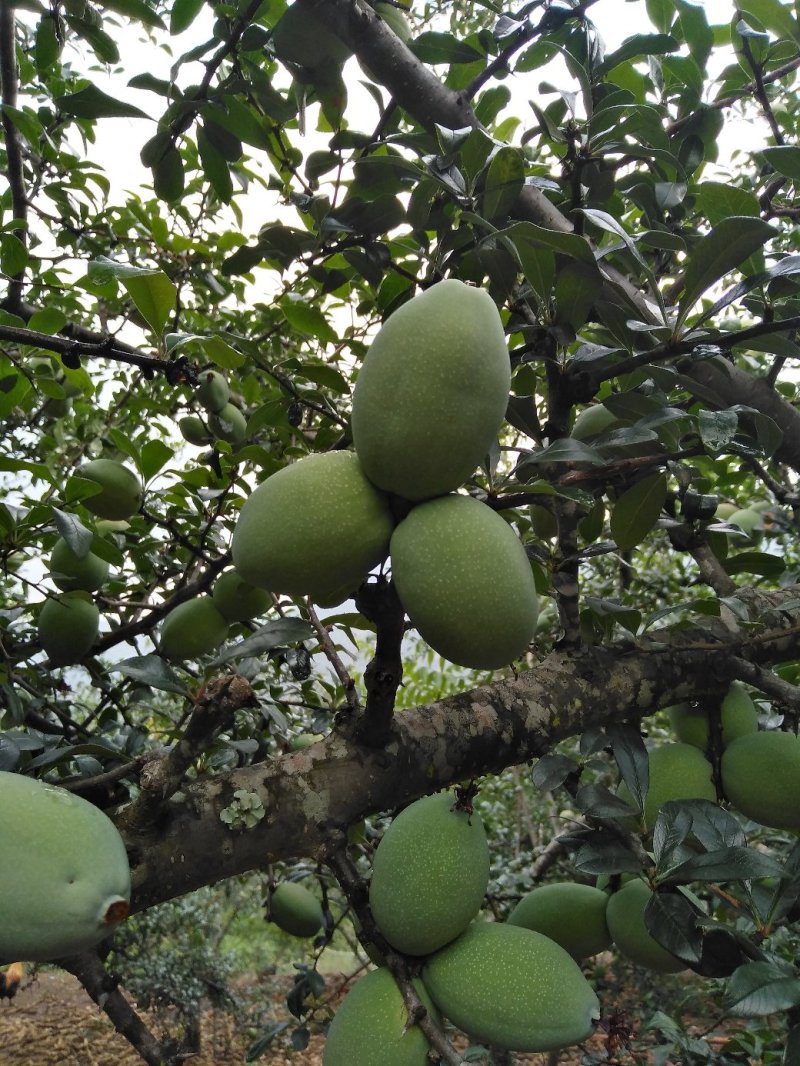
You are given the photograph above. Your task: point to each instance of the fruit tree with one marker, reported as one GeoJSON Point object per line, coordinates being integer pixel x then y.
{"type": "Point", "coordinates": [336, 335]}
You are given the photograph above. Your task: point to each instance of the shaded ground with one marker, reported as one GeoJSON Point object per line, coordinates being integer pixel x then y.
{"type": "Point", "coordinates": [52, 1022]}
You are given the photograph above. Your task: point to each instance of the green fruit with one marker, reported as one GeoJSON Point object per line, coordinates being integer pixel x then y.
{"type": "Point", "coordinates": [312, 528]}
{"type": "Point", "coordinates": [761, 776]}
{"type": "Point", "coordinates": [229, 424]}
{"type": "Point", "coordinates": [192, 629]}
{"type": "Point", "coordinates": [66, 880]}
{"type": "Point", "coordinates": [121, 494]}
{"type": "Point", "coordinates": [70, 573]}
{"type": "Point", "coordinates": [465, 581]}
{"type": "Point", "coordinates": [738, 717]}
{"type": "Point", "coordinates": [369, 1028]}
{"type": "Point", "coordinates": [395, 19]}
{"type": "Point", "coordinates": [432, 392]}
{"type": "Point", "coordinates": [304, 740]}
{"type": "Point", "coordinates": [677, 772]}
{"type": "Point", "coordinates": [194, 431]}
{"type": "Point", "coordinates": [68, 626]}
{"type": "Point", "coordinates": [592, 421]}
{"type": "Point", "coordinates": [237, 600]}
{"type": "Point", "coordinates": [748, 520]}
{"type": "Point", "coordinates": [512, 988]}
{"type": "Point", "coordinates": [625, 919]}
{"type": "Point", "coordinates": [573, 915]}
{"type": "Point", "coordinates": [429, 875]}
{"type": "Point", "coordinates": [725, 510]}
{"type": "Point", "coordinates": [212, 391]}
{"type": "Point", "coordinates": [296, 910]}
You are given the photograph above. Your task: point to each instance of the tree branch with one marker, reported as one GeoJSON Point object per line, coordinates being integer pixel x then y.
{"type": "Point", "coordinates": [103, 348]}
{"type": "Point", "coordinates": [15, 173]}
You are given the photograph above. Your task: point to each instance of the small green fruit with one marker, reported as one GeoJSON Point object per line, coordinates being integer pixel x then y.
{"type": "Point", "coordinates": [69, 573]}
{"type": "Point", "coordinates": [194, 431]}
{"type": "Point", "coordinates": [761, 776]}
{"type": "Point", "coordinates": [512, 988]}
{"type": "Point", "coordinates": [192, 629]}
{"type": "Point", "coordinates": [625, 918]}
{"type": "Point", "coordinates": [304, 740]}
{"type": "Point", "coordinates": [229, 424]}
{"type": "Point", "coordinates": [725, 510]}
{"type": "Point", "coordinates": [677, 772]}
{"type": "Point", "coordinates": [66, 880]}
{"type": "Point", "coordinates": [313, 528]}
{"type": "Point", "coordinates": [738, 718]}
{"type": "Point", "coordinates": [369, 1028]}
{"type": "Point", "coordinates": [212, 391]}
{"type": "Point", "coordinates": [572, 914]}
{"type": "Point", "coordinates": [296, 910]}
{"type": "Point", "coordinates": [748, 520]}
{"type": "Point", "coordinates": [68, 627]}
{"type": "Point", "coordinates": [464, 579]}
{"type": "Point", "coordinates": [592, 421]}
{"type": "Point", "coordinates": [429, 875]}
{"type": "Point", "coordinates": [432, 392]}
{"type": "Point", "coordinates": [121, 494]}
{"type": "Point", "coordinates": [238, 600]}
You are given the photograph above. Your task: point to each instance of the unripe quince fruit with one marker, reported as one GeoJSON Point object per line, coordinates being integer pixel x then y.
{"type": "Point", "coordinates": [512, 988]}
{"type": "Point", "coordinates": [192, 629]}
{"type": "Point", "coordinates": [761, 777]}
{"type": "Point", "coordinates": [70, 573]}
{"type": "Point", "coordinates": [121, 494]}
{"type": "Point", "coordinates": [625, 918]}
{"type": "Point", "coordinates": [464, 579]}
{"type": "Point", "coordinates": [432, 392]}
{"type": "Point", "coordinates": [313, 528]}
{"type": "Point", "coordinates": [66, 880]}
{"type": "Point", "coordinates": [429, 875]}
{"type": "Point", "coordinates": [194, 431]}
{"type": "Point", "coordinates": [738, 718]}
{"type": "Point", "coordinates": [213, 391]}
{"type": "Point", "coordinates": [572, 914]}
{"type": "Point", "coordinates": [229, 424]}
{"type": "Point", "coordinates": [592, 421]}
{"type": "Point", "coordinates": [369, 1028]}
{"type": "Point", "coordinates": [68, 626]}
{"type": "Point", "coordinates": [677, 772]}
{"type": "Point", "coordinates": [296, 910]}
{"type": "Point", "coordinates": [238, 600]}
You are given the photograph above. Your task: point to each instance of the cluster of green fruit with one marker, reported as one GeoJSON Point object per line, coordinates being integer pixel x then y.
{"type": "Point", "coordinates": [759, 770]}
{"type": "Point", "coordinates": [198, 626]}
{"type": "Point", "coordinates": [428, 404]}
{"type": "Point", "coordinates": [68, 623]}
{"type": "Point", "coordinates": [225, 419]}
{"type": "Point", "coordinates": [502, 983]}
{"type": "Point", "coordinates": [66, 879]}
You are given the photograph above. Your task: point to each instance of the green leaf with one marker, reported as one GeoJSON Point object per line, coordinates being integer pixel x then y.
{"type": "Point", "coordinates": [154, 456]}
{"type": "Point", "coordinates": [774, 16]}
{"type": "Point", "coordinates": [183, 14]}
{"type": "Point", "coordinates": [643, 44]}
{"type": "Point", "coordinates": [220, 352]}
{"type": "Point", "coordinates": [308, 318]}
{"type": "Point", "coordinates": [760, 563]}
{"type": "Point", "coordinates": [760, 988]}
{"type": "Point", "coordinates": [720, 251]}
{"type": "Point", "coordinates": [671, 920]}
{"type": "Point", "coordinates": [74, 532]}
{"type": "Point", "coordinates": [214, 167]}
{"type": "Point", "coordinates": [13, 254]}
{"type": "Point", "coordinates": [630, 754]}
{"type": "Point", "coordinates": [155, 297]}
{"type": "Point", "coordinates": [434, 47]}
{"type": "Point", "coordinates": [92, 102]}
{"type": "Point", "coordinates": [565, 450]}
{"type": "Point", "coordinates": [150, 670]}
{"type": "Point", "coordinates": [637, 511]}
{"type": "Point", "coordinates": [168, 175]}
{"type": "Point", "coordinates": [570, 244]}
{"type": "Point", "coordinates": [717, 428]}
{"type": "Point", "coordinates": [136, 9]}
{"type": "Point", "coordinates": [47, 45]}
{"type": "Point", "coordinates": [726, 864]}
{"type": "Point", "coordinates": [272, 635]}
{"type": "Point", "coordinates": [785, 159]}
{"type": "Point", "coordinates": [504, 180]}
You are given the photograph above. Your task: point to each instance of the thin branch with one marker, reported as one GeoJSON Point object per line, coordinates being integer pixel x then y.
{"type": "Point", "coordinates": [102, 348]}
{"type": "Point", "coordinates": [767, 681]}
{"type": "Point", "coordinates": [14, 167]}
{"type": "Point", "coordinates": [333, 657]}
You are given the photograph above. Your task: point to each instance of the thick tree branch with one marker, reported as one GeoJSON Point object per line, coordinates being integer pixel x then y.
{"type": "Point", "coordinates": [102, 348]}
{"type": "Point", "coordinates": [310, 796]}
{"type": "Point", "coordinates": [16, 178]}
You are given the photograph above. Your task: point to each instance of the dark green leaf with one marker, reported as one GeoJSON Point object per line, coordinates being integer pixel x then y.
{"type": "Point", "coordinates": [644, 44]}
{"type": "Point", "coordinates": [630, 754]}
{"type": "Point", "coordinates": [504, 180]}
{"type": "Point", "coordinates": [727, 246]}
{"type": "Point", "coordinates": [155, 455]}
{"type": "Point", "coordinates": [168, 175]}
{"type": "Point", "coordinates": [154, 295]}
{"type": "Point", "coordinates": [785, 159]}
{"type": "Point", "coordinates": [726, 864]}
{"type": "Point", "coordinates": [434, 47]}
{"type": "Point", "coordinates": [272, 635]}
{"type": "Point", "coordinates": [140, 10]}
{"type": "Point", "coordinates": [760, 988]}
{"type": "Point", "coordinates": [760, 563]}
{"type": "Point", "coordinates": [150, 670]}
{"type": "Point", "coordinates": [74, 532]}
{"type": "Point", "coordinates": [551, 771]}
{"type": "Point", "coordinates": [92, 102]}
{"type": "Point", "coordinates": [183, 14]}
{"type": "Point", "coordinates": [717, 428]}
{"type": "Point", "coordinates": [637, 511]}
{"type": "Point", "coordinates": [672, 921]}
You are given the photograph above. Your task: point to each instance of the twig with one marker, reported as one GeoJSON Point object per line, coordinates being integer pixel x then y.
{"type": "Point", "coordinates": [768, 682]}
{"type": "Point", "coordinates": [103, 348]}
{"type": "Point", "coordinates": [14, 167]}
{"type": "Point", "coordinates": [333, 657]}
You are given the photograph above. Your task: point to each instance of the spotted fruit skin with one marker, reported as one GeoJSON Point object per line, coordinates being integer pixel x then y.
{"type": "Point", "coordinates": [432, 393]}
{"type": "Point", "coordinates": [121, 490]}
{"type": "Point", "coordinates": [625, 918]}
{"type": "Point", "coordinates": [192, 629]}
{"type": "Point", "coordinates": [512, 988]}
{"type": "Point", "coordinates": [68, 625]}
{"type": "Point", "coordinates": [761, 777]}
{"type": "Point", "coordinates": [429, 875]}
{"type": "Point", "coordinates": [65, 874]}
{"type": "Point", "coordinates": [312, 528]}
{"type": "Point", "coordinates": [296, 910]}
{"type": "Point", "coordinates": [465, 582]}
{"type": "Point", "coordinates": [572, 914]}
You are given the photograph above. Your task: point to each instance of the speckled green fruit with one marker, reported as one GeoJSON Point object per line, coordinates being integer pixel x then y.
{"type": "Point", "coordinates": [66, 880]}
{"type": "Point", "coordinates": [513, 988]}
{"type": "Point", "coordinates": [572, 914]}
{"type": "Point", "coordinates": [229, 424]}
{"type": "Point", "coordinates": [213, 391]}
{"type": "Point", "coordinates": [304, 740]}
{"type": "Point", "coordinates": [625, 919]}
{"type": "Point", "coordinates": [677, 771]}
{"type": "Point", "coordinates": [121, 494]}
{"type": "Point", "coordinates": [432, 393]}
{"type": "Point", "coordinates": [429, 875]}
{"type": "Point", "coordinates": [192, 629]}
{"type": "Point", "coordinates": [592, 421]}
{"type": "Point", "coordinates": [369, 1028]}
{"type": "Point", "coordinates": [68, 626]}
{"type": "Point", "coordinates": [738, 718]}
{"type": "Point", "coordinates": [70, 573]}
{"type": "Point", "coordinates": [761, 777]}
{"type": "Point", "coordinates": [465, 582]}
{"type": "Point", "coordinates": [238, 600]}
{"type": "Point", "coordinates": [296, 910]}
{"type": "Point", "coordinates": [313, 528]}
{"type": "Point", "coordinates": [194, 431]}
